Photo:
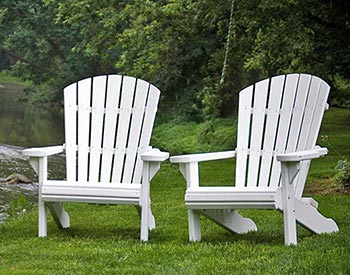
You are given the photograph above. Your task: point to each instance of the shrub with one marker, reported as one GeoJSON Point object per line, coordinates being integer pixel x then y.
{"type": "Point", "coordinates": [342, 175]}
{"type": "Point", "coordinates": [191, 137]}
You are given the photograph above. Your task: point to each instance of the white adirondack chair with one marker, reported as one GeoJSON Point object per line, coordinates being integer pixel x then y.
{"type": "Point", "coordinates": [108, 125]}
{"type": "Point", "coordinates": [278, 124]}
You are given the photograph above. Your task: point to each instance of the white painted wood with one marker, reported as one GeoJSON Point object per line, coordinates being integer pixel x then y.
{"type": "Point", "coordinates": [298, 112]}
{"type": "Point", "coordinates": [97, 114]}
{"type": "Point", "coordinates": [127, 96]}
{"type": "Point", "coordinates": [70, 121]}
{"type": "Point", "coordinates": [194, 225]}
{"type": "Point", "coordinates": [284, 125]}
{"type": "Point", "coordinates": [155, 155]}
{"type": "Point", "coordinates": [111, 119]}
{"type": "Point", "coordinates": [273, 112]}
{"type": "Point", "coordinates": [135, 129]}
{"type": "Point", "coordinates": [43, 151]}
{"type": "Point", "coordinates": [42, 212]}
{"type": "Point", "coordinates": [289, 169]}
{"type": "Point", "coordinates": [278, 132]}
{"type": "Point", "coordinates": [146, 131]}
{"type": "Point", "coordinates": [203, 157]}
{"type": "Point", "coordinates": [106, 123]}
{"type": "Point", "coordinates": [231, 220]}
{"type": "Point", "coordinates": [321, 105]}
{"type": "Point", "coordinates": [256, 137]}
{"type": "Point", "coordinates": [145, 202]}
{"type": "Point", "coordinates": [59, 215]}
{"type": "Point", "coordinates": [308, 216]}
{"type": "Point", "coordinates": [84, 110]}
{"type": "Point", "coordinates": [243, 134]}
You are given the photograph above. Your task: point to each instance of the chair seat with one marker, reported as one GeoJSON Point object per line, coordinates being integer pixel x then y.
{"type": "Point", "coordinates": [107, 193]}
{"type": "Point", "coordinates": [213, 197]}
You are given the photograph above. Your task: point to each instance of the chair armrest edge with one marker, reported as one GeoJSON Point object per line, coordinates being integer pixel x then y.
{"type": "Point", "coordinates": [202, 157]}
{"type": "Point", "coordinates": [302, 155]}
{"type": "Point", "coordinates": [43, 151]}
{"type": "Point", "coordinates": [154, 155]}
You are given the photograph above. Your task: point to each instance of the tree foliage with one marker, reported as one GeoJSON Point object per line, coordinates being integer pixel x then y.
{"type": "Point", "coordinates": [179, 45]}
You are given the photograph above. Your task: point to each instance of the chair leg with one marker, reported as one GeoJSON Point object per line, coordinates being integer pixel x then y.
{"type": "Point", "coordinates": [144, 223]}
{"type": "Point", "coordinates": [231, 220]}
{"type": "Point", "coordinates": [42, 219]}
{"type": "Point", "coordinates": [151, 220]}
{"type": "Point", "coordinates": [194, 225]}
{"type": "Point", "coordinates": [308, 216]}
{"type": "Point", "coordinates": [58, 213]}
{"type": "Point", "coordinates": [289, 170]}
{"type": "Point", "coordinates": [290, 226]}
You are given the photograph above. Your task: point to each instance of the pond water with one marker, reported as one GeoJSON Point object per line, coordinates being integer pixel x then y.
{"type": "Point", "coordinates": [24, 125]}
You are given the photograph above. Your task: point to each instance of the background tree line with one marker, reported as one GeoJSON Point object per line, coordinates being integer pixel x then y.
{"type": "Point", "coordinates": [180, 45]}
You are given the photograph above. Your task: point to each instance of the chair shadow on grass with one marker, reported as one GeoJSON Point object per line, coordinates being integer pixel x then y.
{"type": "Point", "coordinates": [116, 223]}
{"type": "Point", "coordinates": [270, 230]}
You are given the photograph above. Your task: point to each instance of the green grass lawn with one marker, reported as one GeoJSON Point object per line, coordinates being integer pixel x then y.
{"type": "Point", "coordinates": [105, 239]}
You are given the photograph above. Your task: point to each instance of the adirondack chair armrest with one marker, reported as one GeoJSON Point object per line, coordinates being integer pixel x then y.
{"type": "Point", "coordinates": [202, 157]}
{"type": "Point", "coordinates": [155, 155]}
{"type": "Point", "coordinates": [302, 155]}
{"type": "Point", "coordinates": [43, 151]}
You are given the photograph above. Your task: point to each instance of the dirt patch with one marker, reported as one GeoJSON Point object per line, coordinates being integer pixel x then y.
{"type": "Point", "coordinates": [325, 186]}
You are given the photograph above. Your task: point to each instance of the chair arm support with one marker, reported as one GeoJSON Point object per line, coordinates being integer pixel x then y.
{"type": "Point", "coordinates": [43, 151]}
{"type": "Point", "coordinates": [202, 157]}
{"type": "Point", "coordinates": [302, 155]}
{"type": "Point", "coordinates": [155, 155]}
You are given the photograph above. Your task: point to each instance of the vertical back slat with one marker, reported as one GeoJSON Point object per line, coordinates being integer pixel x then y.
{"type": "Point", "coordinates": [84, 95]}
{"type": "Point", "coordinates": [147, 127]}
{"type": "Point", "coordinates": [256, 138]}
{"type": "Point", "coordinates": [275, 96]}
{"type": "Point", "coordinates": [70, 117]}
{"type": "Point", "coordinates": [284, 124]}
{"type": "Point", "coordinates": [243, 132]}
{"type": "Point", "coordinates": [128, 89]}
{"type": "Point", "coordinates": [98, 100]}
{"type": "Point", "coordinates": [298, 112]}
{"type": "Point", "coordinates": [112, 110]}
{"type": "Point", "coordinates": [309, 113]}
{"type": "Point", "coordinates": [320, 105]}
{"type": "Point", "coordinates": [135, 129]}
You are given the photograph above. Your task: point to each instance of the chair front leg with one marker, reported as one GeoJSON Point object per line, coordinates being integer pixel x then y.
{"type": "Point", "coordinates": [194, 225]}
{"type": "Point", "coordinates": [190, 172]}
{"type": "Point", "coordinates": [39, 165]}
{"type": "Point", "coordinates": [289, 171]}
{"type": "Point", "coordinates": [145, 202]}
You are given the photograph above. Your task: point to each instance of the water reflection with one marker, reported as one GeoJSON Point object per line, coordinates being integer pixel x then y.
{"type": "Point", "coordinates": [23, 125]}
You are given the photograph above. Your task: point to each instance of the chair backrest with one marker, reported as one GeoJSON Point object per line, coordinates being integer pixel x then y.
{"type": "Point", "coordinates": [108, 124]}
{"type": "Point", "coordinates": [277, 115]}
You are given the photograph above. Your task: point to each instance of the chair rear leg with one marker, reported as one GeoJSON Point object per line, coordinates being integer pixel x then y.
{"type": "Point", "coordinates": [151, 221]}
{"type": "Point", "coordinates": [58, 213]}
{"type": "Point", "coordinates": [231, 220]}
{"type": "Point", "coordinates": [308, 216]}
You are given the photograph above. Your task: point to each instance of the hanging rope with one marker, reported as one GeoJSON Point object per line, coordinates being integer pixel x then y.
{"type": "Point", "coordinates": [228, 45]}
